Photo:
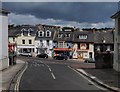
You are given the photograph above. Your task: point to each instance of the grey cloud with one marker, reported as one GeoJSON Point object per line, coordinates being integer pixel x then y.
{"type": "Point", "coordinates": [77, 11]}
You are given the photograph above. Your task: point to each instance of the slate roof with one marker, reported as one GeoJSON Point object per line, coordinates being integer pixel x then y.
{"type": "Point", "coordinates": [108, 36]}
{"type": "Point", "coordinates": [44, 28]}
{"type": "Point", "coordinates": [63, 32]}
{"type": "Point", "coordinates": [116, 15]}
{"type": "Point", "coordinates": [16, 30]}
{"type": "Point", "coordinates": [90, 36]}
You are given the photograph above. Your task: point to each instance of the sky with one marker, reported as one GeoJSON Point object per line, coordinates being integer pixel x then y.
{"type": "Point", "coordinates": [78, 14]}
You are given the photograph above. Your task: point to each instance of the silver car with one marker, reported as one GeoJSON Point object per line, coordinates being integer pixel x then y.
{"type": "Point", "coordinates": [28, 54]}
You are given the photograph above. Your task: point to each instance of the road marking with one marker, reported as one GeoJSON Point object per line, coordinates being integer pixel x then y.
{"type": "Point", "coordinates": [19, 78]}
{"type": "Point", "coordinates": [53, 76]}
{"type": "Point", "coordinates": [87, 79]}
{"type": "Point", "coordinates": [50, 69]}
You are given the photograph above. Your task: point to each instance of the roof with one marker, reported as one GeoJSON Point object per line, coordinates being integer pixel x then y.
{"type": "Point", "coordinates": [61, 31]}
{"type": "Point", "coordinates": [17, 30]}
{"type": "Point", "coordinates": [44, 28]}
{"type": "Point", "coordinates": [89, 36]}
{"type": "Point", "coordinates": [100, 36]}
{"type": "Point", "coordinates": [116, 15]}
{"type": "Point", "coordinates": [3, 11]}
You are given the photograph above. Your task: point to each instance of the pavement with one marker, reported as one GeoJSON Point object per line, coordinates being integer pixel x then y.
{"type": "Point", "coordinates": [9, 73]}
{"type": "Point", "coordinates": [107, 78]}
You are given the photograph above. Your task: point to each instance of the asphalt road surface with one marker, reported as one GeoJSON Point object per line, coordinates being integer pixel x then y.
{"type": "Point", "coordinates": [42, 74]}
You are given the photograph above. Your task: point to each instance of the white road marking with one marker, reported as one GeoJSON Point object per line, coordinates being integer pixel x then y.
{"type": "Point", "coordinates": [48, 66]}
{"type": "Point", "coordinates": [53, 76]}
{"type": "Point", "coordinates": [19, 78]}
{"type": "Point", "coordinates": [50, 69]}
{"type": "Point", "coordinates": [87, 79]}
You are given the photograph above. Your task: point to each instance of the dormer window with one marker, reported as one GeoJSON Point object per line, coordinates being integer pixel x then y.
{"type": "Point", "coordinates": [23, 31]}
{"type": "Point", "coordinates": [40, 33]}
{"type": "Point", "coordinates": [48, 33]}
{"type": "Point", "coordinates": [60, 35]}
{"type": "Point", "coordinates": [83, 37]}
{"type": "Point", "coordinates": [29, 31]}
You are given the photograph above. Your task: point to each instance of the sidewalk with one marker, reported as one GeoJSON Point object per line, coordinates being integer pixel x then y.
{"type": "Point", "coordinates": [9, 73]}
{"type": "Point", "coordinates": [108, 78]}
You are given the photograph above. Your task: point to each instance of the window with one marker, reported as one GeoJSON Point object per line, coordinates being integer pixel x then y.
{"type": "Point", "coordinates": [30, 41]}
{"type": "Point", "coordinates": [60, 35]}
{"type": "Point", "coordinates": [47, 42]}
{"type": "Point", "coordinates": [82, 37]}
{"type": "Point", "coordinates": [13, 39]}
{"type": "Point", "coordinates": [23, 41]}
{"type": "Point", "coordinates": [48, 33]}
{"type": "Point", "coordinates": [67, 35]}
{"type": "Point", "coordinates": [60, 45]}
{"type": "Point", "coordinates": [30, 31]}
{"type": "Point", "coordinates": [65, 45]}
{"type": "Point", "coordinates": [40, 33]}
{"type": "Point", "coordinates": [23, 31]}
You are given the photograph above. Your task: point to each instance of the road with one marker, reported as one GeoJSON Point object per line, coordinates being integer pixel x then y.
{"type": "Point", "coordinates": [45, 74]}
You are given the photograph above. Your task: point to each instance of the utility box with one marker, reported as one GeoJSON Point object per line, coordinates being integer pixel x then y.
{"type": "Point", "coordinates": [104, 60]}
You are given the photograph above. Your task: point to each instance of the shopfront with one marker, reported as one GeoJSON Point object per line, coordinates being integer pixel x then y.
{"type": "Point", "coordinates": [65, 51]}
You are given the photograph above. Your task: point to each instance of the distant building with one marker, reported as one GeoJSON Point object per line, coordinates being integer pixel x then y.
{"type": "Point", "coordinates": [83, 44]}
{"type": "Point", "coordinates": [12, 38]}
{"type": "Point", "coordinates": [116, 64]}
{"type": "Point", "coordinates": [24, 38]}
{"type": "Point", "coordinates": [44, 39]}
{"type": "Point", "coordinates": [4, 60]}
{"type": "Point", "coordinates": [104, 40]}
{"type": "Point", "coordinates": [63, 41]}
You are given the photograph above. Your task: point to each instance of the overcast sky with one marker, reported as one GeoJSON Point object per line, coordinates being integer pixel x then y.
{"type": "Point", "coordinates": [79, 14]}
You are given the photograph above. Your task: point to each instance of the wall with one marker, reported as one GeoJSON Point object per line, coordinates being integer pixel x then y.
{"type": "Point", "coordinates": [116, 64]}
{"type": "Point", "coordinates": [26, 38]}
{"type": "Point", "coordinates": [3, 42]}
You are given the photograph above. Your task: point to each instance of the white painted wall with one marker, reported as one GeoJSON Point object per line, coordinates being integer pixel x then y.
{"type": "Point", "coordinates": [4, 63]}
{"type": "Point", "coordinates": [49, 51]}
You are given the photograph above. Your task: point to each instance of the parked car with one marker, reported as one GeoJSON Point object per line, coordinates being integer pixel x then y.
{"type": "Point", "coordinates": [89, 60]}
{"type": "Point", "coordinates": [28, 54]}
{"type": "Point", "coordinates": [42, 55]}
{"type": "Point", "coordinates": [61, 57]}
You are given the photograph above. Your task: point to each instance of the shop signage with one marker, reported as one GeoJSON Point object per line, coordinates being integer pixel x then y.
{"type": "Point", "coordinates": [63, 49]}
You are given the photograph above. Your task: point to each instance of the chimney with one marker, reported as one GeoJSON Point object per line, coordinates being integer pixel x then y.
{"type": "Point", "coordinates": [93, 30]}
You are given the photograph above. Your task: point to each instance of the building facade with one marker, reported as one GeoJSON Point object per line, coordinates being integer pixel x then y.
{"type": "Point", "coordinates": [4, 60]}
{"type": "Point", "coordinates": [26, 39]}
{"type": "Point", "coordinates": [63, 41]}
{"type": "Point", "coordinates": [104, 40]}
{"type": "Point", "coordinates": [83, 44]}
{"type": "Point", "coordinates": [44, 39]}
{"type": "Point", "coordinates": [116, 64]}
